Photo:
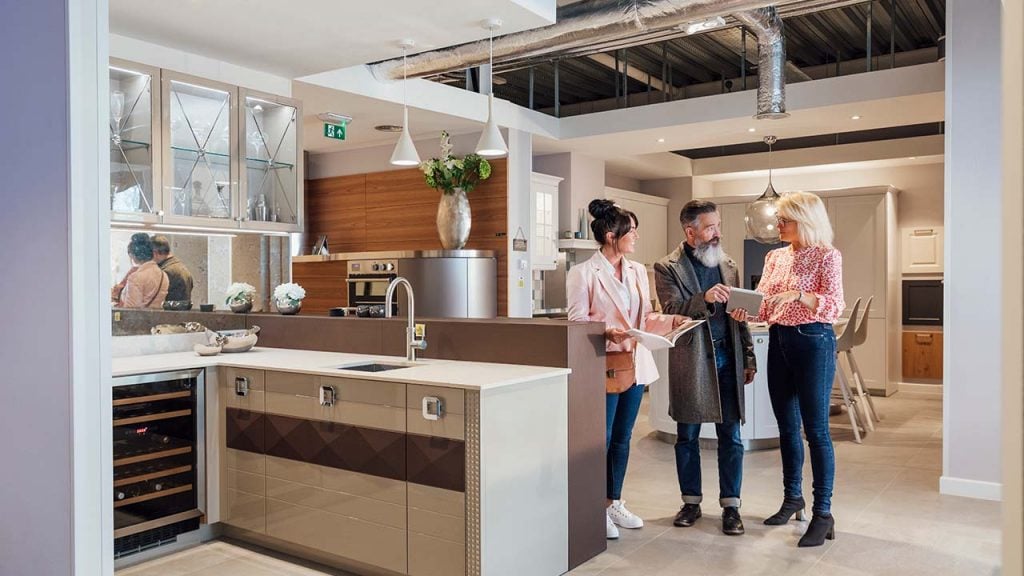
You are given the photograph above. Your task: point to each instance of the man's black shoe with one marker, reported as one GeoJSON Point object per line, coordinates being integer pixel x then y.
{"type": "Point", "coordinates": [732, 524]}
{"type": "Point", "coordinates": [687, 515]}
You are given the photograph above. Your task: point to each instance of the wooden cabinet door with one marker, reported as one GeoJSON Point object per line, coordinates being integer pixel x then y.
{"type": "Point", "coordinates": [922, 355]}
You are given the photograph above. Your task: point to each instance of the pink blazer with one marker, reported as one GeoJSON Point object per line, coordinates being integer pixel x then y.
{"type": "Point", "coordinates": [592, 297]}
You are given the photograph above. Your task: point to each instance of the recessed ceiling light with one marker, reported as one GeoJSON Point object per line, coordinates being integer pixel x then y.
{"type": "Point", "coordinates": [387, 128]}
{"type": "Point", "coordinates": [661, 140]}
{"type": "Point", "coordinates": [855, 117]}
{"type": "Point", "coordinates": [751, 129]}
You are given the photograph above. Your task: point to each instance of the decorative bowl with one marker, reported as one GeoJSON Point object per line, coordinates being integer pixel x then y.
{"type": "Point", "coordinates": [206, 350]}
{"type": "Point", "coordinates": [239, 340]}
{"type": "Point", "coordinates": [241, 307]}
{"type": "Point", "coordinates": [206, 307]}
{"type": "Point", "coordinates": [288, 309]}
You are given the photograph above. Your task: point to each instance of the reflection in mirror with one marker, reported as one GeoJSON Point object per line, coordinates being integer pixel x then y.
{"type": "Point", "coordinates": [195, 269]}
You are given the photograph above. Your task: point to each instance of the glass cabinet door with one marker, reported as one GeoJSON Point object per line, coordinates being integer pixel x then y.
{"type": "Point", "coordinates": [201, 137]}
{"type": "Point", "coordinates": [271, 177]}
{"type": "Point", "coordinates": [134, 153]}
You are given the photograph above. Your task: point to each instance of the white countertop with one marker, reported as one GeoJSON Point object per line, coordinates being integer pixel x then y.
{"type": "Point", "coordinates": [450, 373]}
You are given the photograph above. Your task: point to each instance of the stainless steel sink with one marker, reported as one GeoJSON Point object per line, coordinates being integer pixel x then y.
{"type": "Point", "coordinates": [374, 367]}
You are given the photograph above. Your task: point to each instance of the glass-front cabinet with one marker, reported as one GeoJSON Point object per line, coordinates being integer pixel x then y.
{"type": "Point", "coordinates": [200, 135]}
{"type": "Point", "coordinates": [188, 151]}
{"type": "Point", "coordinates": [271, 172]}
{"type": "Point", "coordinates": [134, 142]}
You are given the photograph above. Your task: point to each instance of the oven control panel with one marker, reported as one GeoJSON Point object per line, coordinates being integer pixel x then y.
{"type": "Point", "coordinates": [379, 267]}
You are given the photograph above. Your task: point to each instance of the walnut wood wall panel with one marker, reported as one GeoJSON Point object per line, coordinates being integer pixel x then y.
{"type": "Point", "coordinates": [395, 210]}
{"type": "Point", "coordinates": [324, 283]}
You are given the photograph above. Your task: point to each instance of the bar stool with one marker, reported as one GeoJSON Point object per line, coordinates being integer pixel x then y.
{"type": "Point", "coordinates": [844, 343]}
{"type": "Point", "coordinates": [859, 338]}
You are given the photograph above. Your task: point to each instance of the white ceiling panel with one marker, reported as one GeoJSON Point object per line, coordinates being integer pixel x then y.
{"type": "Point", "coordinates": [304, 37]}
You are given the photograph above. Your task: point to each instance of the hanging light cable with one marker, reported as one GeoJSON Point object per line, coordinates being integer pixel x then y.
{"type": "Point", "coordinates": [405, 151]}
{"type": "Point", "coordinates": [491, 143]}
{"type": "Point", "coordinates": [760, 216]}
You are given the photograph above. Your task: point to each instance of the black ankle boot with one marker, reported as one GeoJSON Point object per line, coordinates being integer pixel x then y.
{"type": "Point", "coordinates": [789, 507]}
{"type": "Point", "coordinates": [820, 529]}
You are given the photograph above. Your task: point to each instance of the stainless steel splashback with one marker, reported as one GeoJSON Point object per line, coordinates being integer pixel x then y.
{"type": "Point", "coordinates": [451, 287]}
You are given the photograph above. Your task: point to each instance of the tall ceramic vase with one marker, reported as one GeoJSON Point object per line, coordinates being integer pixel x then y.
{"type": "Point", "coordinates": [454, 220]}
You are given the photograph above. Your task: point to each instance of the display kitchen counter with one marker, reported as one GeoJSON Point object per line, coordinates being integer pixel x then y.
{"type": "Point", "coordinates": [449, 373]}
{"type": "Point", "coordinates": [427, 470]}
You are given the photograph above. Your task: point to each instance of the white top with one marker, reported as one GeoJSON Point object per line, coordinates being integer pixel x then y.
{"type": "Point", "coordinates": [623, 291]}
{"type": "Point", "coordinates": [449, 373]}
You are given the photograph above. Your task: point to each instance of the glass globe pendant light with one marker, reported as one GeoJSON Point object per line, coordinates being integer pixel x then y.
{"type": "Point", "coordinates": [761, 214]}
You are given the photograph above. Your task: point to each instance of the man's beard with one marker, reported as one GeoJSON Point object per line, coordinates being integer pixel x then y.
{"type": "Point", "coordinates": [709, 253]}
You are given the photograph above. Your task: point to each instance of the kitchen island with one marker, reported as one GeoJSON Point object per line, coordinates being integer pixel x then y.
{"type": "Point", "coordinates": [429, 468]}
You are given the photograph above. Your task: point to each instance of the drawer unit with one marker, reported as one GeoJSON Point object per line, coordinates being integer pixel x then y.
{"type": "Point", "coordinates": [922, 355]}
{"type": "Point", "coordinates": [243, 466]}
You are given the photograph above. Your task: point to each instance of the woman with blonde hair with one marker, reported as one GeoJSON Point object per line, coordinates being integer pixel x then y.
{"type": "Point", "coordinates": [802, 286]}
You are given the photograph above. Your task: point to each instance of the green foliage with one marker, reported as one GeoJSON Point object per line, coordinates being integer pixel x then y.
{"type": "Point", "coordinates": [449, 172]}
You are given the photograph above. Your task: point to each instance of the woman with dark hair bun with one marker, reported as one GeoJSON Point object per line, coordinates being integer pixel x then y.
{"type": "Point", "coordinates": [145, 285]}
{"type": "Point", "coordinates": [610, 288]}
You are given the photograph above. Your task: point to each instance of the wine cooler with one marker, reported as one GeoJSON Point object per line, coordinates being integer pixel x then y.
{"type": "Point", "coordinates": [159, 477]}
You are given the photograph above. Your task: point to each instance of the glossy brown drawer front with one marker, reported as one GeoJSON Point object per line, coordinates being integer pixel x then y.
{"type": "Point", "coordinates": [437, 462]}
{"type": "Point", "coordinates": [356, 402]}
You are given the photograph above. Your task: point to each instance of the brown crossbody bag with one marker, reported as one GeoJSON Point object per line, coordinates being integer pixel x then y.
{"type": "Point", "coordinates": [620, 371]}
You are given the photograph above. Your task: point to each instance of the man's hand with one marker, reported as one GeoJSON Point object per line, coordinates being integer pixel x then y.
{"type": "Point", "coordinates": [617, 335]}
{"type": "Point", "coordinates": [748, 375]}
{"type": "Point", "coordinates": [717, 293]}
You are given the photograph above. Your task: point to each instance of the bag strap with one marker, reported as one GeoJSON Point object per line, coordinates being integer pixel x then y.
{"type": "Point", "coordinates": [158, 289]}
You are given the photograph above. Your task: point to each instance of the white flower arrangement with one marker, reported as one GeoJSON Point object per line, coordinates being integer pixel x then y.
{"type": "Point", "coordinates": [289, 294]}
{"type": "Point", "coordinates": [239, 292]}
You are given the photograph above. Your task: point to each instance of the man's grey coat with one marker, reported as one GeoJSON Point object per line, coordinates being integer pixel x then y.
{"type": "Point", "coordinates": [693, 377]}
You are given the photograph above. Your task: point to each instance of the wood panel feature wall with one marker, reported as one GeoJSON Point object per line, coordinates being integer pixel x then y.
{"type": "Point", "coordinates": [394, 210]}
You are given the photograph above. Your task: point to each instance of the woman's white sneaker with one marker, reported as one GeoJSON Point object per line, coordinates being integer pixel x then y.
{"type": "Point", "coordinates": [611, 531]}
{"type": "Point", "coordinates": [618, 514]}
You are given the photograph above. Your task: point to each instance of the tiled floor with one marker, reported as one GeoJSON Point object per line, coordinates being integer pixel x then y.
{"type": "Point", "coordinates": [890, 518]}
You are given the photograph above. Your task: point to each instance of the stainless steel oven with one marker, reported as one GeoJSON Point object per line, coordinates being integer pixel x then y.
{"type": "Point", "coordinates": [368, 284]}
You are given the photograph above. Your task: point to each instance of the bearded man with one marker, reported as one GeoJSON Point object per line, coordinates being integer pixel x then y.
{"type": "Point", "coordinates": [708, 367]}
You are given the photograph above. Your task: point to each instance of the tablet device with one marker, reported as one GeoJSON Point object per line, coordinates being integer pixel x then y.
{"type": "Point", "coordinates": [749, 300]}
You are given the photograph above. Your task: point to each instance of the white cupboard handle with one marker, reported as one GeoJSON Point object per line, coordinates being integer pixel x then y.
{"type": "Point", "coordinates": [241, 386]}
{"type": "Point", "coordinates": [433, 408]}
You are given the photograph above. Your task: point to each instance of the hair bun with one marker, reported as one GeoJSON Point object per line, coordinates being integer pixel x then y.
{"type": "Point", "coordinates": [600, 208]}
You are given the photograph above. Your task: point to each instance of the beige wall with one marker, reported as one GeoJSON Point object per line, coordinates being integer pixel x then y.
{"type": "Point", "coordinates": [919, 203]}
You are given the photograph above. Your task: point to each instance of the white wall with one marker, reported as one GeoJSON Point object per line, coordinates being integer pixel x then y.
{"type": "Point", "coordinates": [378, 158]}
{"type": "Point", "coordinates": [621, 182]}
{"type": "Point", "coordinates": [973, 357]}
{"type": "Point", "coordinates": [520, 280]}
{"type": "Point", "coordinates": [679, 191]}
{"type": "Point", "coordinates": [920, 198]}
{"type": "Point", "coordinates": [583, 180]}
{"type": "Point", "coordinates": [55, 437]}
{"type": "Point", "coordinates": [172, 59]}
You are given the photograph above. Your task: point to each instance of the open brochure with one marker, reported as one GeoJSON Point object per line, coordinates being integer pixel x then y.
{"type": "Point", "coordinates": [660, 342]}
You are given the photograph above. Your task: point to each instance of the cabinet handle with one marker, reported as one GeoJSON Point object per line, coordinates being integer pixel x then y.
{"type": "Point", "coordinates": [433, 408]}
{"type": "Point", "coordinates": [924, 338]}
{"type": "Point", "coordinates": [328, 396]}
{"type": "Point", "coordinates": [241, 386]}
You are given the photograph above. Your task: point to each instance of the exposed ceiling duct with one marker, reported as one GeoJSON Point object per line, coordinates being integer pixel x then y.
{"type": "Point", "coordinates": [771, 65]}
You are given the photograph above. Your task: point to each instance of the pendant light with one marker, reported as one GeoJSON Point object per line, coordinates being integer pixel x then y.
{"type": "Point", "coordinates": [405, 151]}
{"type": "Point", "coordinates": [760, 216]}
{"type": "Point", "coordinates": [491, 143]}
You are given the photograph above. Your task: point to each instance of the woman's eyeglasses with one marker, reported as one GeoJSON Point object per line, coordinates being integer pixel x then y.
{"type": "Point", "coordinates": [783, 221]}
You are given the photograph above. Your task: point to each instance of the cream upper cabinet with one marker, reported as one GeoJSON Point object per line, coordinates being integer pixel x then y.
{"type": "Point", "coordinates": [544, 220]}
{"type": "Point", "coordinates": [652, 214]}
{"type": "Point", "coordinates": [922, 250]}
{"type": "Point", "coordinates": [859, 223]}
{"type": "Point", "coordinates": [271, 164]}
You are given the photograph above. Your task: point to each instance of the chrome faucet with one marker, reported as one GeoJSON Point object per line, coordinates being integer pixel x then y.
{"type": "Point", "coordinates": [411, 343]}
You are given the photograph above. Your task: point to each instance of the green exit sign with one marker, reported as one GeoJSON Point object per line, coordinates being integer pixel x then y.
{"type": "Point", "coordinates": [335, 131]}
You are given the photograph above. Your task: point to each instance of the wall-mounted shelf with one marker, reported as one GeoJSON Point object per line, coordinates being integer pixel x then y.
{"type": "Point", "coordinates": [577, 244]}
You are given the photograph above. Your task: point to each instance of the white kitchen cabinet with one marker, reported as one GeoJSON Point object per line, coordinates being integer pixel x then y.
{"type": "Point", "coordinates": [135, 151]}
{"type": "Point", "coordinates": [922, 250]}
{"type": "Point", "coordinates": [544, 220]}
{"type": "Point", "coordinates": [859, 223]}
{"type": "Point", "coordinates": [271, 163]}
{"type": "Point", "coordinates": [734, 232]}
{"type": "Point", "coordinates": [652, 214]}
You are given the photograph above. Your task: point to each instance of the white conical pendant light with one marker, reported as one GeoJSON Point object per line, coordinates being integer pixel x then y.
{"type": "Point", "coordinates": [491, 143]}
{"type": "Point", "coordinates": [405, 151]}
{"type": "Point", "coordinates": [761, 214]}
